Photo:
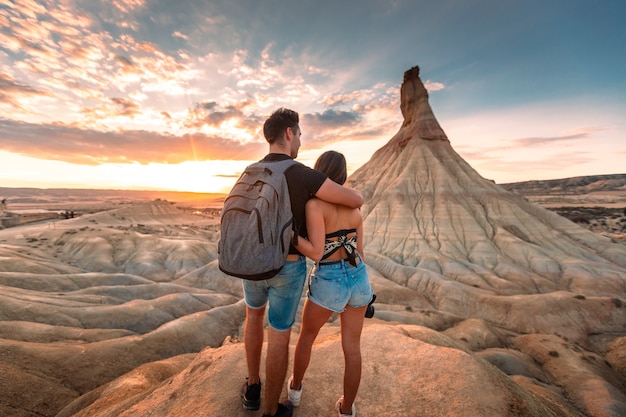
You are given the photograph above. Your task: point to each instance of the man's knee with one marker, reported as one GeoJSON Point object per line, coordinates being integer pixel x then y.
{"type": "Point", "coordinates": [279, 334]}
{"type": "Point", "coordinates": [278, 339]}
{"type": "Point", "coordinates": [255, 313]}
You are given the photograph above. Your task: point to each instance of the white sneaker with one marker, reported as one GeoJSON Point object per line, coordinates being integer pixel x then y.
{"type": "Point", "coordinates": [294, 395]}
{"type": "Point", "coordinates": [338, 407]}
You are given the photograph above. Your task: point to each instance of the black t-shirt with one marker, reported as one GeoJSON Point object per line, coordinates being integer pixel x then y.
{"type": "Point", "coordinates": [303, 183]}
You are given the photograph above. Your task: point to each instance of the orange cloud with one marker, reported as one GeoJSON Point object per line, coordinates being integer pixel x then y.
{"type": "Point", "coordinates": [90, 147]}
{"type": "Point", "coordinates": [12, 92]}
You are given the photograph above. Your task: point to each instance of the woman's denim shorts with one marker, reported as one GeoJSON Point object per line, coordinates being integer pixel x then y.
{"type": "Point", "coordinates": [338, 284]}
{"type": "Point", "coordinates": [283, 292]}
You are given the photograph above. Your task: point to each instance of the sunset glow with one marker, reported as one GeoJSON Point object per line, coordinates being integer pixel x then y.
{"type": "Point", "coordinates": [156, 95]}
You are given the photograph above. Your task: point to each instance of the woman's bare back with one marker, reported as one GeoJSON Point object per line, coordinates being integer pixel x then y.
{"type": "Point", "coordinates": [337, 217]}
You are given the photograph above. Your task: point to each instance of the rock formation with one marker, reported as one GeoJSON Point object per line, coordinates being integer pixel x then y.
{"type": "Point", "coordinates": [475, 250]}
{"type": "Point", "coordinates": [488, 305]}
{"type": "Point", "coordinates": [427, 208]}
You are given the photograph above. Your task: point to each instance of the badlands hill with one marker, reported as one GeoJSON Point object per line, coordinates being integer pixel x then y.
{"type": "Point", "coordinates": [488, 304]}
{"type": "Point", "coordinates": [595, 202]}
{"type": "Point", "coordinates": [587, 185]}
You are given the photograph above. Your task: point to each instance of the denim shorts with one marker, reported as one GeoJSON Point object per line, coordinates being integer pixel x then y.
{"type": "Point", "coordinates": [283, 292]}
{"type": "Point", "coordinates": [337, 285]}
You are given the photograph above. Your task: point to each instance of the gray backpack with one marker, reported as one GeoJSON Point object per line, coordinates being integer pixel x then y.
{"type": "Point", "coordinates": [256, 222]}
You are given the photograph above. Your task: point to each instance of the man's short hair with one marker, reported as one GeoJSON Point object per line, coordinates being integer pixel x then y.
{"type": "Point", "coordinates": [275, 126]}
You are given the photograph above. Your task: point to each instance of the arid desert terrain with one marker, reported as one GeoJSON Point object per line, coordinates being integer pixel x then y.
{"type": "Point", "coordinates": [492, 300]}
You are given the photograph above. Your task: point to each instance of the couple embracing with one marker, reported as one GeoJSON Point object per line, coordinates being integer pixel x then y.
{"type": "Point", "coordinates": [328, 231]}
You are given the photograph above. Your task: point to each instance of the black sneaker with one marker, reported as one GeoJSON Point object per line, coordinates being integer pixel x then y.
{"type": "Point", "coordinates": [251, 396]}
{"type": "Point", "coordinates": [284, 410]}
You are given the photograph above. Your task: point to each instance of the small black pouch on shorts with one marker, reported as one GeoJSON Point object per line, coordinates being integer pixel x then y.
{"type": "Point", "coordinates": [369, 312]}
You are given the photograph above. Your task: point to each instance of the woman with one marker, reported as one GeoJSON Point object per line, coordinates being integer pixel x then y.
{"type": "Point", "coordinates": [338, 283]}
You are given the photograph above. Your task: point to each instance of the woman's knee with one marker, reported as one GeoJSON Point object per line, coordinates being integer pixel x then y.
{"type": "Point", "coordinates": [308, 336]}
{"type": "Point", "coordinates": [351, 348]}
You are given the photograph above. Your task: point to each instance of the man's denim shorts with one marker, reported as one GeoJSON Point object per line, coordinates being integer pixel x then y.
{"type": "Point", "coordinates": [336, 285]}
{"type": "Point", "coordinates": [283, 292]}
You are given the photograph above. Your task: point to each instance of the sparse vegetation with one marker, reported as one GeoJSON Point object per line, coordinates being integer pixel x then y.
{"type": "Point", "coordinates": [597, 219]}
{"type": "Point", "coordinates": [595, 202]}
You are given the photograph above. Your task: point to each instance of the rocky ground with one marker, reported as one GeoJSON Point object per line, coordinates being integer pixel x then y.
{"type": "Point", "coordinates": [122, 312]}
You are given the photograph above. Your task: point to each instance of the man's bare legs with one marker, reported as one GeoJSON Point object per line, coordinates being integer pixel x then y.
{"type": "Point", "coordinates": [253, 341]}
{"type": "Point", "coordinates": [351, 327]}
{"type": "Point", "coordinates": [275, 368]}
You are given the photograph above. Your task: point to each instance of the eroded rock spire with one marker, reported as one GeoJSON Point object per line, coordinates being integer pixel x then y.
{"type": "Point", "coordinates": [429, 212]}
{"type": "Point", "coordinates": [419, 120]}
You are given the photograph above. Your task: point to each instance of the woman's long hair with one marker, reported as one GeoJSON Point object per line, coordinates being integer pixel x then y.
{"type": "Point", "coordinates": [333, 164]}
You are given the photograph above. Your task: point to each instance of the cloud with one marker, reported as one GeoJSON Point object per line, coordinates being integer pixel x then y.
{"type": "Point", "coordinates": [500, 157]}
{"type": "Point", "coordinates": [177, 34]}
{"type": "Point", "coordinates": [12, 91]}
{"type": "Point", "coordinates": [126, 64]}
{"type": "Point", "coordinates": [128, 5]}
{"type": "Point", "coordinates": [129, 108]}
{"type": "Point", "coordinates": [524, 142]}
{"type": "Point", "coordinates": [65, 54]}
{"type": "Point", "coordinates": [534, 166]}
{"type": "Point", "coordinates": [90, 147]}
{"type": "Point", "coordinates": [332, 126]}
{"type": "Point", "coordinates": [358, 96]}
{"type": "Point", "coordinates": [331, 118]}
{"type": "Point", "coordinates": [103, 80]}
{"type": "Point", "coordinates": [433, 86]}
{"type": "Point", "coordinates": [115, 109]}
{"type": "Point", "coordinates": [212, 115]}
{"type": "Point", "coordinates": [507, 149]}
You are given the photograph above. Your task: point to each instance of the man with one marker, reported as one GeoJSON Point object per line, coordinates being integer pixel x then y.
{"type": "Point", "coordinates": [283, 292]}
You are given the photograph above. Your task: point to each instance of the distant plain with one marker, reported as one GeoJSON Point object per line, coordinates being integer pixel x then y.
{"type": "Point", "coordinates": [595, 202]}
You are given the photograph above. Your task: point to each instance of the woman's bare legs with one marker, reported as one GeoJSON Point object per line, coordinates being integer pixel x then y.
{"type": "Point", "coordinates": [313, 318]}
{"type": "Point", "coordinates": [351, 327]}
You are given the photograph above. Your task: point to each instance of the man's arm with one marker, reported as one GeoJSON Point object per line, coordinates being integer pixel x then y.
{"type": "Point", "coordinates": [313, 247]}
{"type": "Point", "coordinates": [334, 193]}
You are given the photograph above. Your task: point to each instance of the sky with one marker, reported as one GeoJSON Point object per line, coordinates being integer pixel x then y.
{"type": "Point", "coordinates": [157, 94]}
